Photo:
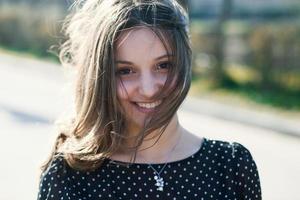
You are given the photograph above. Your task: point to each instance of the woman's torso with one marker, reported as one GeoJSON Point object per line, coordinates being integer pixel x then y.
{"type": "Point", "coordinates": [218, 170]}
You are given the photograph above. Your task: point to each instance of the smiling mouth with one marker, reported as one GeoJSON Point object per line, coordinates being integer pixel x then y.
{"type": "Point", "coordinates": [147, 107]}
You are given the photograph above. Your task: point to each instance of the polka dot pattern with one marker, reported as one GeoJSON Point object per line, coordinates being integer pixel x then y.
{"type": "Point", "coordinates": [218, 170]}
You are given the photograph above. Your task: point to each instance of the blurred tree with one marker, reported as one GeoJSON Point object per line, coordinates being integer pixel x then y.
{"type": "Point", "coordinates": [275, 54]}
{"type": "Point", "coordinates": [218, 73]}
{"type": "Point", "coordinates": [262, 46]}
{"type": "Point", "coordinates": [25, 30]}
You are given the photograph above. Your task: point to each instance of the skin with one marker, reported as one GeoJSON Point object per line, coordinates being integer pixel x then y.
{"type": "Point", "coordinates": [142, 68]}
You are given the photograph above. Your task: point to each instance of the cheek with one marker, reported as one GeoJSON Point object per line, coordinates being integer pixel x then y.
{"type": "Point", "coordinates": [124, 90]}
{"type": "Point", "coordinates": [160, 80]}
{"type": "Point", "coordinates": [121, 93]}
{"type": "Point", "coordinates": [163, 79]}
{"type": "Point", "coordinates": [172, 84]}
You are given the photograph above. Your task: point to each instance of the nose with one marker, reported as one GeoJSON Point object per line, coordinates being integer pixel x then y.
{"type": "Point", "coordinates": [150, 85]}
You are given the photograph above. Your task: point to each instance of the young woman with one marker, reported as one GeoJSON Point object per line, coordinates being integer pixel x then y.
{"type": "Point", "coordinates": [133, 62]}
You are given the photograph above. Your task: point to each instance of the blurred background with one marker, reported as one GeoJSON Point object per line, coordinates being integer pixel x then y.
{"type": "Point", "coordinates": [246, 86]}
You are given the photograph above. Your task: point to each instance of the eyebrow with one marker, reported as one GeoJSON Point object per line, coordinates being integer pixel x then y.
{"type": "Point", "coordinates": [158, 58]}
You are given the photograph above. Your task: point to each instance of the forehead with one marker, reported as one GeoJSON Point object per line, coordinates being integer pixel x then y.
{"type": "Point", "coordinates": [140, 42]}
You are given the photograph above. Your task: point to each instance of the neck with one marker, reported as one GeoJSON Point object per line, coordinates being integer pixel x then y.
{"type": "Point", "coordinates": [155, 149]}
{"type": "Point", "coordinates": [161, 147]}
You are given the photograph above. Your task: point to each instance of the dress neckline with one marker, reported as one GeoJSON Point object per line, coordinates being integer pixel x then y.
{"type": "Point", "coordinates": [204, 140]}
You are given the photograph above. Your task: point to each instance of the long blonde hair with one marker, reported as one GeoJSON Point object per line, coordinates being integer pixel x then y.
{"type": "Point", "coordinates": [97, 129]}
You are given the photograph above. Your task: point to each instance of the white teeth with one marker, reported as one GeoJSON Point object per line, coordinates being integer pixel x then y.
{"type": "Point", "coordinates": [149, 105]}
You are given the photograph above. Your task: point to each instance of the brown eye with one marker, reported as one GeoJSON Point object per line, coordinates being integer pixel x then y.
{"type": "Point", "coordinates": [124, 71]}
{"type": "Point", "coordinates": [164, 66]}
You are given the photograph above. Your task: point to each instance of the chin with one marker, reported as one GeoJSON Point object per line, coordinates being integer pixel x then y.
{"type": "Point", "coordinates": [136, 123]}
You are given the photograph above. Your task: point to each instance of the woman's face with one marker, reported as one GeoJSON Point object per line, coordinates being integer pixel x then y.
{"type": "Point", "coordinates": [142, 69]}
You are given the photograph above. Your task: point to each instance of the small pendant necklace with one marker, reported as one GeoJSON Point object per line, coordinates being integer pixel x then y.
{"type": "Point", "coordinates": [159, 180]}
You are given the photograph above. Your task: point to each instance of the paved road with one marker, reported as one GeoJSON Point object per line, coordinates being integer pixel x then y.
{"type": "Point", "coordinates": [33, 94]}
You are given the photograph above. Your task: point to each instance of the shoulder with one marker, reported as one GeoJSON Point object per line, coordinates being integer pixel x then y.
{"type": "Point", "coordinates": [53, 179]}
{"type": "Point", "coordinates": [225, 148]}
{"type": "Point", "coordinates": [230, 155]}
{"type": "Point", "coordinates": [60, 181]}
{"type": "Point", "coordinates": [58, 167]}
{"type": "Point", "coordinates": [236, 163]}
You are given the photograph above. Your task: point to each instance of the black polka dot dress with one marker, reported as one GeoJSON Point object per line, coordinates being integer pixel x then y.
{"type": "Point", "coordinates": [218, 170]}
